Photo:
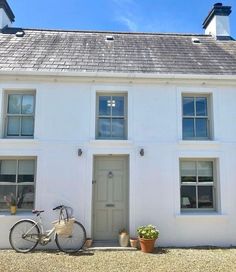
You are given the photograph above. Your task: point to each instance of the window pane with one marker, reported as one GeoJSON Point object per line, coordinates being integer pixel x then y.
{"type": "Point", "coordinates": [104, 128]}
{"type": "Point", "coordinates": [205, 171]}
{"type": "Point", "coordinates": [13, 126]}
{"type": "Point", "coordinates": [188, 128]}
{"type": "Point", "coordinates": [201, 106]}
{"type": "Point", "coordinates": [104, 105]}
{"type": "Point", "coordinates": [26, 196]}
{"type": "Point", "coordinates": [201, 127]}
{"type": "Point", "coordinates": [188, 106]}
{"type": "Point", "coordinates": [118, 106]}
{"type": "Point", "coordinates": [27, 126]}
{"type": "Point", "coordinates": [188, 168]}
{"type": "Point", "coordinates": [205, 196]}
{"type": "Point", "coordinates": [26, 171]}
{"type": "Point", "coordinates": [118, 128]}
{"type": "Point", "coordinates": [27, 104]}
{"type": "Point", "coordinates": [6, 191]}
{"type": "Point", "coordinates": [8, 171]}
{"type": "Point", "coordinates": [14, 104]}
{"type": "Point", "coordinates": [188, 197]}
{"type": "Point", "coordinates": [188, 179]}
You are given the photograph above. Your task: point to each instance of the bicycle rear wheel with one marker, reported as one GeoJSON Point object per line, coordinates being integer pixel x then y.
{"type": "Point", "coordinates": [24, 236]}
{"type": "Point", "coordinates": [74, 242]}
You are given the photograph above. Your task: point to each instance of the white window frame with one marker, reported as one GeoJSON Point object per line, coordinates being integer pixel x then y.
{"type": "Point", "coordinates": [196, 184]}
{"type": "Point", "coordinates": [17, 159]}
{"type": "Point", "coordinates": [6, 100]}
{"type": "Point", "coordinates": [195, 117]}
{"type": "Point", "coordinates": [125, 118]}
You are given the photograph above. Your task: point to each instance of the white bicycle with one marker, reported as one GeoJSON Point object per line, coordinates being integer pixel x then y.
{"type": "Point", "coordinates": [26, 234]}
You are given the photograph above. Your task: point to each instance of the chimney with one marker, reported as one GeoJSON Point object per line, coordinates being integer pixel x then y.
{"type": "Point", "coordinates": [6, 15]}
{"type": "Point", "coordinates": [217, 22]}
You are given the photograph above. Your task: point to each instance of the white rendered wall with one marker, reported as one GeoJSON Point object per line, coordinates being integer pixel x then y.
{"type": "Point", "coordinates": [4, 20]}
{"type": "Point", "coordinates": [219, 26]}
{"type": "Point", "coordinates": [65, 121]}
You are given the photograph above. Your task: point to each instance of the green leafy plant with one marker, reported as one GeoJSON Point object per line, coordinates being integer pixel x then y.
{"type": "Point", "coordinates": [148, 232]}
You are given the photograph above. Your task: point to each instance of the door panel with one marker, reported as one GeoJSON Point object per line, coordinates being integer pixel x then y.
{"type": "Point", "coordinates": [110, 196]}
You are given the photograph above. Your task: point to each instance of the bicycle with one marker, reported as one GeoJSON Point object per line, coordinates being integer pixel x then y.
{"type": "Point", "coordinates": [26, 234]}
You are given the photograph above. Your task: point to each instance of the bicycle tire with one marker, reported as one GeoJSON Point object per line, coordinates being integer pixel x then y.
{"type": "Point", "coordinates": [74, 242]}
{"type": "Point", "coordinates": [16, 239]}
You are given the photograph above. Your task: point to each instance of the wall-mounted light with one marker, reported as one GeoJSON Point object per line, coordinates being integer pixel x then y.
{"type": "Point", "coordinates": [80, 152]}
{"type": "Point", "coordinates": [141, 152]}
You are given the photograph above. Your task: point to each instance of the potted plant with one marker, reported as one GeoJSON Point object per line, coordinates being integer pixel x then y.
{"type": "Point", "coordinates": [88, 242]}
{"type": "Point", "coordinates": [147, 237]}
{"type": "Point", "coordinates": [12, 202]}
{"type": "Point", "coordinates": [133, 242]}
{"type": "Point", "coordinates": [123, 238]}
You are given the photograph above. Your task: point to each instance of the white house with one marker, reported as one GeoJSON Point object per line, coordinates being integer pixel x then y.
{"type": "Point", "coordinates": [126, 128]}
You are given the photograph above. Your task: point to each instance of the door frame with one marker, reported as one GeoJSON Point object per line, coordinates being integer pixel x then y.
{"type": "Point", "coordinates": [127, 157]}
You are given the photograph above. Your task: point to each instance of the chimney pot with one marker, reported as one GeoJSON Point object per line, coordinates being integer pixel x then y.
{"type": "Point", "coordinates": [218, 5]}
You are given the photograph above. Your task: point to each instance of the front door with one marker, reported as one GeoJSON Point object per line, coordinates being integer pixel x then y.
{"type": "Point", "coordinates": [110, 196]}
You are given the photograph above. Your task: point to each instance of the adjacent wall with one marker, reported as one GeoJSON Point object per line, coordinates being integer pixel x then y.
{"type": "Point", "coordinates": [65, 121]}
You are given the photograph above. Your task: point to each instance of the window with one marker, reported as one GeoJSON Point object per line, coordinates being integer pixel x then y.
{"type": "Point", "coordinates": [20, 115]}
{"type": "Point", "coordinates": [111, 117]}
{"type": "Point", "coordinates": [197, 184]}
{"type": "Point", "coordinates": [17, 178]}
{"type": "Point", "coordinates": [196, 123]}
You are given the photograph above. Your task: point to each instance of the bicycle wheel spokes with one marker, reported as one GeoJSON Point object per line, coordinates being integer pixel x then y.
{"type": "Point", "coordinates": [24, 236]}
{"type": "Point", "coordinates": [74, 242]}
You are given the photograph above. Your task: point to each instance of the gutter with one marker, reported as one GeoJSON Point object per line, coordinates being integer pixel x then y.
{"type": "Point", "coordinates": [95, 75]}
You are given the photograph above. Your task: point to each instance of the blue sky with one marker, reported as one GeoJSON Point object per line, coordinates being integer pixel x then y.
{"type": "Point", "coordinates": [117, 15]}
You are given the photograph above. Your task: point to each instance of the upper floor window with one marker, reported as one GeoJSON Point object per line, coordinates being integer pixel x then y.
{"type": "Point", "coordinates": [20, 115]}
{"type": "Point", "coordinates": [198, 185]}
{"type": "Point", "coordinates": [196, 119]}
{"type": "Point", "coordinates": [17, 180]}
{"type": "Point", "coordinates": [111, 119]}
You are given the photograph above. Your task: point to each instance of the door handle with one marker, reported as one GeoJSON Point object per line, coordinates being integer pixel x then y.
{"type": "Point", "coordinates": [110, 205]}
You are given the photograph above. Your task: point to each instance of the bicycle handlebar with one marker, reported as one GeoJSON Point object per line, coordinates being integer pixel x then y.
{"type": "Point", "coordinates": [58, 207]}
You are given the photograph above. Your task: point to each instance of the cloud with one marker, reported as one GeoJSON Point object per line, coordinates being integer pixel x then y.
{"type": "Point", "coordinates": [125, 11]}
{"type": "Point", "coordinates": [132, 25]}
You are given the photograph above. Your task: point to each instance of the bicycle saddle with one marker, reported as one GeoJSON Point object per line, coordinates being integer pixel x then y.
{"type": "Point", "coordinates": [37, 211]}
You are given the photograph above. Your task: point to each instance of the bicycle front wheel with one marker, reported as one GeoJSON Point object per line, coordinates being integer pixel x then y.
{"type": "Point", "coordinates": [74, 242]}
{"type": "Point", "coordinates": [24, 236]}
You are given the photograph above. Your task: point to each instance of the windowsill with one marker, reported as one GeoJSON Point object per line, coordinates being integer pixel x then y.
{"type": "Point", "coordinates": [18, 214]}
{"type": "Point", "coordinates": [19, 140]}
{"type": "Point", "coordinates": [199, 142]}
{"type": "Point", "coordinates": [201, 215]}
{"type": "Point", "coordinates": [107, 142]}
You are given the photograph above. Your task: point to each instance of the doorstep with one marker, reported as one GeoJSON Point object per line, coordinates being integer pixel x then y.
{"type": "Point", "coordinates": [108, 246]}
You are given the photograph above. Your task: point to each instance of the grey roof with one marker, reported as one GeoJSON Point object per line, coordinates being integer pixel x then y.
{"type": "Point", "coordinates": [88, 51]}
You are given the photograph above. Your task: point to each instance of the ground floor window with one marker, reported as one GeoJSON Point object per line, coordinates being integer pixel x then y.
{"type": "Point", "coordinates": [197, 185]}
{"type": "Point", "coordinates": [17, 181]}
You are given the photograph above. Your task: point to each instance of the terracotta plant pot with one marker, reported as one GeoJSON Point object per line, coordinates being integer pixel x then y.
{"type": "Point", "coordinates": [133, 242]}
{"type": "Point", "coordinates": [88, 242]}
{"type": "Point", "coordinates": [147, 245]}
{"type": "Point", "coordinates": [124, 239]}
{"type": "Point", "coordinates": [13, 210]}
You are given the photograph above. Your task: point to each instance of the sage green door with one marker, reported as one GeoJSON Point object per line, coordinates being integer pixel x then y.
{"type": "Point", "coordinates": [110, 196]}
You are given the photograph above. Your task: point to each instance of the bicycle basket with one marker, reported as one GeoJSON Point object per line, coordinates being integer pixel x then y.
{"type": "Point", "coordinates": [64, 227]}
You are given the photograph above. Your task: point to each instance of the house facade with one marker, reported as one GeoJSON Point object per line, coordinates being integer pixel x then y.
{"type": "Point", "coordinates": [126, 128]}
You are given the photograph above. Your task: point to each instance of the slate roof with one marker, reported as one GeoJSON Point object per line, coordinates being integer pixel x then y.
{"type": "Point", "coordinates": [88, 51]}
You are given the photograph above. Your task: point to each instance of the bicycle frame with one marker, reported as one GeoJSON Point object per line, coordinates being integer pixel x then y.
{"type": "Point", "coordinates": [44, 236]}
